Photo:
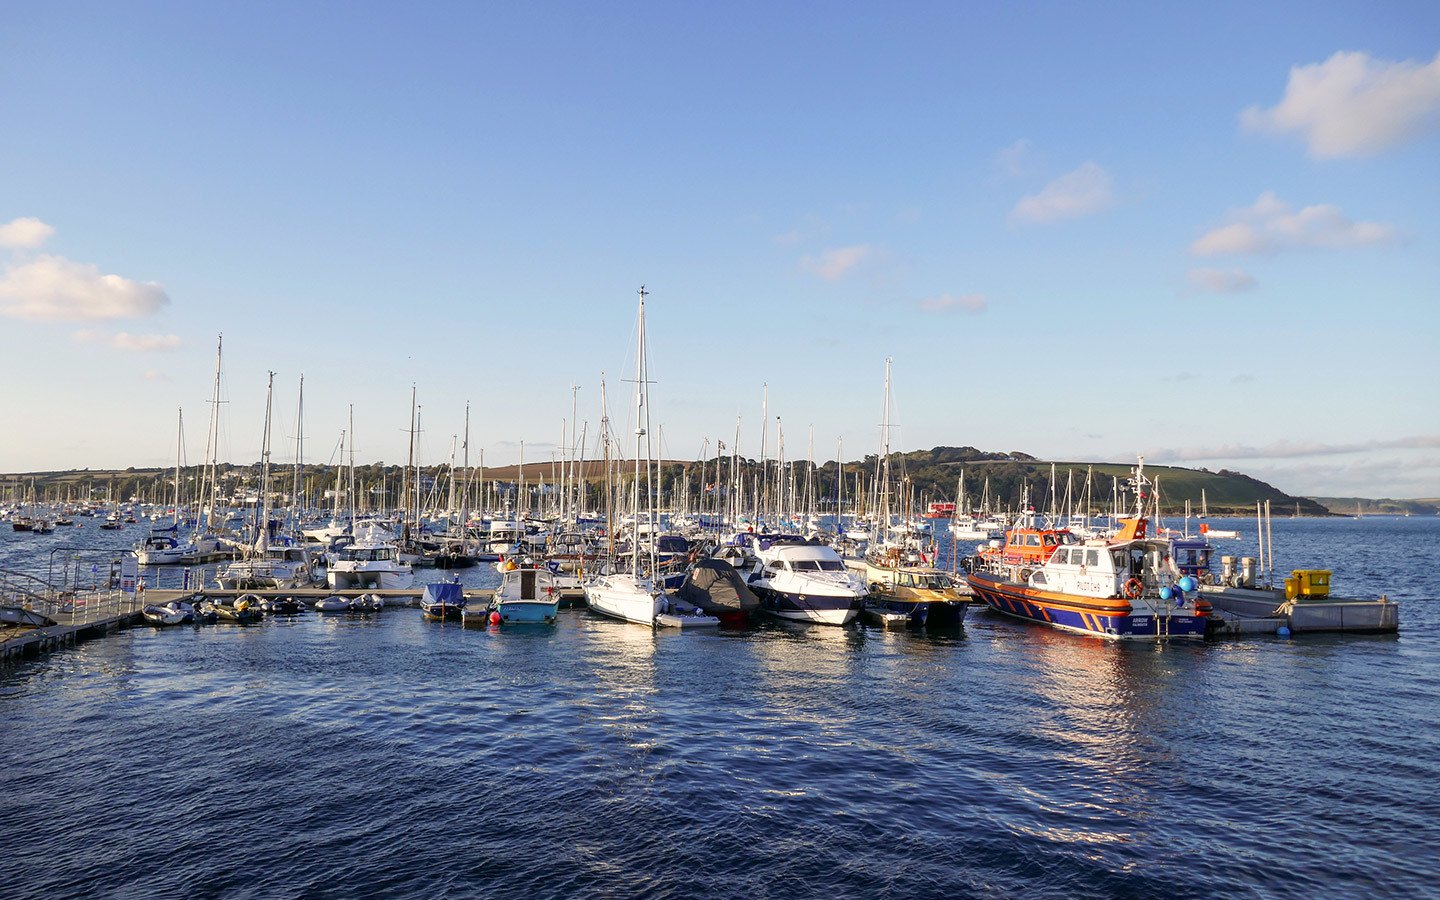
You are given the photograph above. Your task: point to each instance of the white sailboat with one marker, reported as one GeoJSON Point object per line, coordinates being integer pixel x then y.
{"type": "Point", "coordinates": [633, 596]}
{"type": "Point", "coordinates": [266, 565]}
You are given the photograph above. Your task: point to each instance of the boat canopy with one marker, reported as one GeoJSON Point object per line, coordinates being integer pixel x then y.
{"type": "Point", "coordinates": [443, 592]}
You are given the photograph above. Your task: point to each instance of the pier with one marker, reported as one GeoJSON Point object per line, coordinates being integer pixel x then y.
{"type": "Point", "coordinates": [76, 618]}
{"type": "Point", "coordinates": [84, 617]}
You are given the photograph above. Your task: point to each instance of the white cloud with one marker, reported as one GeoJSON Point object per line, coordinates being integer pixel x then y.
{"type": "Point", "coordinates": [1272, 225]}
{"type": "Point", "coordinates": [1079, 193]}
{"type": "Point", "coordinates": [1286, 449]}
{"type": "Point", "coordinates": [145, 343]}
{"type": "Point", "coordinates": [1222, 281]}
{"type": "Point", "coordinates": [833, 265]}
{"type": "Point", "coordinates": [945, 303]}
{"type": "Point", "coordinates": [1353, 105]}
{"type": "Point", "coordinates": [52, 288]}
{"type": "Point", "coordinates": [24, 233]}
{"type": "Point", "coordinates": [1016, 159]}
{"type": "Point", "coordinates": [155, 375]}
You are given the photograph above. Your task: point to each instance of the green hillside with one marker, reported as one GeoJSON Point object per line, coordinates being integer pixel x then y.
{"type": "Point", "coordinates": [936, 471]}
{"type": "Point", "coordinates": [932, 474]}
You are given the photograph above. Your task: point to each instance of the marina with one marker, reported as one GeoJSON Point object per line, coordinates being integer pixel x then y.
{"type": "Point", "coordinates": [615, 734]}
{"type": "Point", "coordinates": [441, 455]}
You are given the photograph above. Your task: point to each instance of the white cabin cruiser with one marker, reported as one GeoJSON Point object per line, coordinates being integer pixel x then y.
{"type": "Point", "coordinates": [368, 566]}
{"type": "Point", "coordinates": [799, 580]}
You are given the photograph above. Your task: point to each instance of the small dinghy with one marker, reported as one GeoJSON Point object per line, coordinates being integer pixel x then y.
{"type": "Point", "coordinates": [281, 606]}
{"type": "Point", "coordinates": [367, 603]}
{"type": "Point", "coordinates": [880, 615]}
{"type": "Point", "coordinates": [682, 614]}
{"type": "Point", "coordinates": [245, 611]}
{"type": "Point", "coordinates": [334, 603]}
{"type": "Point", "coordinates": [160, 616]}
{"type": "Point", "coordinates": [476, 617]}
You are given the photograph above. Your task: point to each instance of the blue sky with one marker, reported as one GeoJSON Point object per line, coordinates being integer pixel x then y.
{"type": "Point", "coordinates": [1205, 234]}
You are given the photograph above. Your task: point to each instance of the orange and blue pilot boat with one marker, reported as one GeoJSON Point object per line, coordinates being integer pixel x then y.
{"type": "Point", "coordinates": [1125, 587]}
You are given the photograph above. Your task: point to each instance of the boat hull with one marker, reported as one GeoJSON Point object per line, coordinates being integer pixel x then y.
{"type": "Point", "coordinates": [819, 609]}
{"type": "Point", "coordinates": [368, 579]}
{"type": "Point", "coordinates": [1106, 618]}
{"type": "Point", "coordinates": [624, 600]}
{"type": "Point", "coordinates": [532, 611]}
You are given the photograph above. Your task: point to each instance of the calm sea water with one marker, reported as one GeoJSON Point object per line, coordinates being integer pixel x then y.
{"type": "Point", "coordinates": [387, 756]}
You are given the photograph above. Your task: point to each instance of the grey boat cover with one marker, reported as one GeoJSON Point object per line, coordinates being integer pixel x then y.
{"type": "Point", "coordinates": [715, 586]}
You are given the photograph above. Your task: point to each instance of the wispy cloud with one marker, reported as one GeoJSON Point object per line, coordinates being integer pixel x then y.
{"type": "Point", "coordinates": [1017, 159]}
{"type": "Point", "coordinates": [24, 233]}
{"type": "Point", "coordinates": [52, 288]}
{"type": "Point", "coordinates": [155, 375]}
{"type": "Point", "coordinates": [1353, 105]}
{"type": "Point", "coordinates": [832, 265]}
{"type": "Point", "coordinates": [145, 343]}
{"type": "Point", "coordinates": [945, 303]}
{"type": "Point", "coordinates": [1289, 449]}
{"type": "Point", "coordinates": [1083, 192]}
{"type": "Point", "coordinates": [1272, 225]}
{"type": "Point", "coordinates": [1222, 281]}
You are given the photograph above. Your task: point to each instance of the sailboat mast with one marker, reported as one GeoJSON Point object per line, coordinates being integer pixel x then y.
{"type": "Point", "coordinates": [262, 508]}
{"type": "Point", "coordinates": [212, 447]}
{"type": "Point", "coordinates": [297, 485]}
{"type": "Point", "coordinates": [353, 499]}
{"type": "Point", "coordinates": [179, 450]}
{"type": "Point", "coordinates": [640, 433]}
{"type": "Point", "coordinates": [465, 494]}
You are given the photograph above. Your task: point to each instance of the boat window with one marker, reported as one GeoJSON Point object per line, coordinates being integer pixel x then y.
{"type": "Point", "coordinates": [1032, 540]}
{"type": "Point", "coordinates": [1037, 578]}
{"type": "Point", "coordinates": [831, 565]}
{"type": "Point", "coordinates": [1050, 540]}
{"type": "Point", "coordinates": [1092, 557]}
{"type": "Point", "coordinates": [806, 565]}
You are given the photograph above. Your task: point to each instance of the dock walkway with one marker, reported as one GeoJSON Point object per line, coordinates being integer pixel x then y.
{"type": "Point", "coordinates": [77, 618]}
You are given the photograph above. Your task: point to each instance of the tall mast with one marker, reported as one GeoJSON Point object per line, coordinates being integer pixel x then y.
{"type": "Point", "coordinates": [882, 465]}
{"type": "Point", "coordinates": [262, 508]}
{"type": "Point", "coordinates": [465, 494]}
{"type": "Point", "coordinates": [640, 432]}
{"type": "Point", "coordinates": [179, 449]}
{"type": "Point", "coordinates": [297, 485]}
{"type": "Point", "coordinates": [353, 498]}
{"type": "Point", "coordinates": [609, 494]}
{"type": "Point", "coordinates": [405, 479]}
{"type": "Point", "coordinates": [212, 445]}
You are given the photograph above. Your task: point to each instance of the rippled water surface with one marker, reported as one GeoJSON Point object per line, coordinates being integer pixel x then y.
{"type": "Point", "coordinates": [388, 756]}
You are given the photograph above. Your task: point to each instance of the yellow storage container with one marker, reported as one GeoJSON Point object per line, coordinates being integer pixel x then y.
{"type": "Point", "coordinates": [1311, 582]}
{"type": "Point", "coordinates": [1292, 587]}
